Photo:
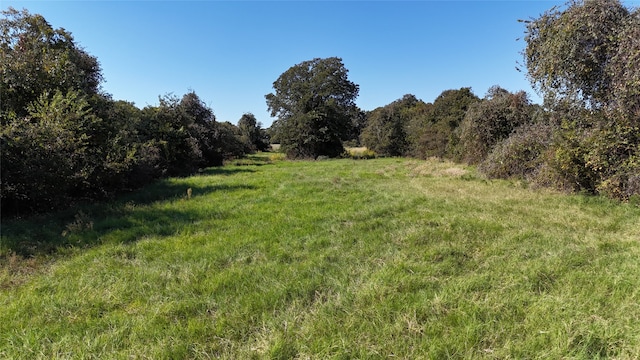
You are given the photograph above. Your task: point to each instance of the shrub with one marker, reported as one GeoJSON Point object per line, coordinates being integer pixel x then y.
{"type": "Point", "coordinates": [519, 155]}
{"type": "Point", "coordinates": [432, 131]}
{"type": "Point", "coordinates": [45, 156]}
{"type": "Point", "coordinates": [490, 121]}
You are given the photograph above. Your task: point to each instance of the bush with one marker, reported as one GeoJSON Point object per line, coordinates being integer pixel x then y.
{"type": "Point", "coordinates": [624, 185]}
{"type": "Point", "coordinates": [492, 120]}
{"type": "Point", "coordinates": [519, 155]}
{"type": "Point", "coordinates": [432, 132]}
{"type": "Point", "coordinates": [46, 157]}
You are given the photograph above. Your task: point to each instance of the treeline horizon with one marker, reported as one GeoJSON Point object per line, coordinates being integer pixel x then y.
{"type": "Point", "coordinates": [64, 140]}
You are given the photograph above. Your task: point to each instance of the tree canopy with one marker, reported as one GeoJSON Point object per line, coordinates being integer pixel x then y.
{"type": "Point", "coordinates": [35, 57]}
{"type": "Point", "coordinates": [436, 134]}
{"type": "Point", "coordinates": [58, 127]}
{"type": "Point", "coordinates": [252, 134]}
{"type": "Point", "coordinates": [491, 120]}
{"type": "Point", "coordinates": [569, 52]}
{"type": "Point", "coordinates": [387, 129]}
{"type": "Point", "coordinates": [314, 103]}
{"type": "Point", "coordinates": [584, 60]}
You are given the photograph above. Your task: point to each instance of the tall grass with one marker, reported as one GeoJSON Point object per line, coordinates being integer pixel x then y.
{"type": "Point", "coordinates": [328, 259]}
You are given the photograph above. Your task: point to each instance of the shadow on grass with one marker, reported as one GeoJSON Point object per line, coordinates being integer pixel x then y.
{"type": "Point", "coordinates": [127, 219]}
{"type": "Point", "coordinates": [225, 171]}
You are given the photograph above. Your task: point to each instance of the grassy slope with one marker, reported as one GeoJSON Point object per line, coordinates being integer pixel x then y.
{"type": "Point", "coordinates": [331, 259]}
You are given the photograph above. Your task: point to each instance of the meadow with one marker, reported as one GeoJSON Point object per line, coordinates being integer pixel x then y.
{"type": "Point", "coordinates": [340, 259]}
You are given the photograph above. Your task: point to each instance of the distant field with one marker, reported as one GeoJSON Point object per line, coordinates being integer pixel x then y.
{"type": "Point", "coordinates": [380, 258]}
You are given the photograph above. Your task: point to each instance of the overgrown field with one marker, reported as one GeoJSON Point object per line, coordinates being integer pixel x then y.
{"type": "Point", "coordinates": [383, 258]}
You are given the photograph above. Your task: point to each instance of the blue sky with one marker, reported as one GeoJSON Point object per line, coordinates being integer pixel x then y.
{"type": "Point", "coordinates": [230, 53]}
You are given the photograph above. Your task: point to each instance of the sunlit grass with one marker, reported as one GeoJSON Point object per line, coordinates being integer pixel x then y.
{"type": "Point", "coordinates": [326, 259]}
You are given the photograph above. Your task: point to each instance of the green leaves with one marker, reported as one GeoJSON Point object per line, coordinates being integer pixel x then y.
{"type": "Point", "coordinates": [35, 58]}
{"type": "Point", "coordinates": [314, 102]}
{"type": "Point", "coordinates": [585, 59]}
{"type": "Point", "coordinates": [492, 120]}
{"type": "Point", "coordinates": [569, 52]}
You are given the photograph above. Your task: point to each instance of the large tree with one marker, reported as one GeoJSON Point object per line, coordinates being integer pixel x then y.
{"type": "Point", "coordinates": [434, 134]}
{"type": "Point", "coordinates": [584, 60]}
{"type": "Point", "coordinates": [568, 51]}
{"type": "Point", "coordinates": [388, 127]}
{"type": "Point", "coordinates": [36, 58]}
{"type": "Point", "coordinates": [314, 102]}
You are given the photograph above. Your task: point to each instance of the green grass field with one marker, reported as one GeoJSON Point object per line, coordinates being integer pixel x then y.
{"type": "Point", "coordinates": [346, 259]}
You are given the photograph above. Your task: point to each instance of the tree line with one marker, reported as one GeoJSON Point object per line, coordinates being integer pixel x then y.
{"type": "Point", "coordinates": [583, 59]}
{"type": "Point", "coordinates": [63, 139]}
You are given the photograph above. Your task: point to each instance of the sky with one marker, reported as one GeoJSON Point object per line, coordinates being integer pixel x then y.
{"type": "Point", "coordinates": [231, 52]}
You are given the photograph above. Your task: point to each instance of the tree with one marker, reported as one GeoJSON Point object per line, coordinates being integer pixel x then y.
{"type": "Point", "coordinates": [35, 58]}
{"type": "Point", "coordinates": [584, 60]}
{"type": "Point", "coordinates": [491, 120]}
{"type": "Point", "coordinates": [387, 127]}
{"type": "Point", "coordinates": [314, 102]}
{"type": "Point", "coordinates": [252, 134]}
{"type": "Point", "coordinates": [624, 70]}
{"type": "Point", "coordinates": [46, 157]}
{"type": "Point", "coordinates": [186, 133]}
{"type": "Point", "coordinates": [568, 51]}
{"type": "Point", "coordinates": [434, 133]}
{"type": "Point", "coordinates": [228, 141]}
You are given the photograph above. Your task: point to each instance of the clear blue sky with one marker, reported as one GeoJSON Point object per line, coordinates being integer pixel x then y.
{"type": "Point", "coordinates": [230, 53]}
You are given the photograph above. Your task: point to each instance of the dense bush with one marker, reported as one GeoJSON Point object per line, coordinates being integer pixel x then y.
{"type": "Point", "coordinates": [614, 157]}
{"type": "Point", "coordinates": [62, 140]}
{"type": "Point", "coordinates": [252, 134]}
{"type": "Point", "coordinates": [390, 128]}
{"type": "Point", "coordinates": [584, 60]}
{"type": "Point", "coordinates": [385, 132]}
{"type": "Point", "coordinates": [490, 121]}
{"type": "Point", "coordinates": [434, 132]}
{"type": "Point", "coordinates": [521, 154]}
{"type": "Point", "coordinates": [45, 155]}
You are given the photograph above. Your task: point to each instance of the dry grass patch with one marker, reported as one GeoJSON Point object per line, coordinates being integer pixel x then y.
{"type": "Point", "coordinates": [435, 167]}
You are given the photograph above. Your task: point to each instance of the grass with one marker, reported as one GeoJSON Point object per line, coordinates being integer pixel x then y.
{"type": "Point", "coordinates": [329, 259]}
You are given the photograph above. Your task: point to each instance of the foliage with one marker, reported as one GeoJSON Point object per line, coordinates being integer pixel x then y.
{"type": "Point", "coordinates": [314, 104]}
{"type": "Point", "coordinates": [434, 134]}
{"type": "Point", "coordinates": [63, 141]}
{"type": "Point", "coordinates": [228, 142]}
{"type": "Point", "coordinates": [35, 58]}
{"type": "Point", "coordinates": [252, 133]}
{"type": "Point", "coordinates": [624, 72]}
{"type": "Point", "coordinates": [568, 51]}
{"type": "Point", "coordinates": [46, 156]}
{"type": "Point", "coordinates": [490, 121]}
{"type": "Point", "coordinates": [358, 123]}
{"type": "Point", "coordinates": [521, 154]}
{"type": "Point", "coordinates": [389, 128]}
{"type": "Point", "coordinates": [614, 155]}
{"type": "Point", "coordinates": [584, 60]}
